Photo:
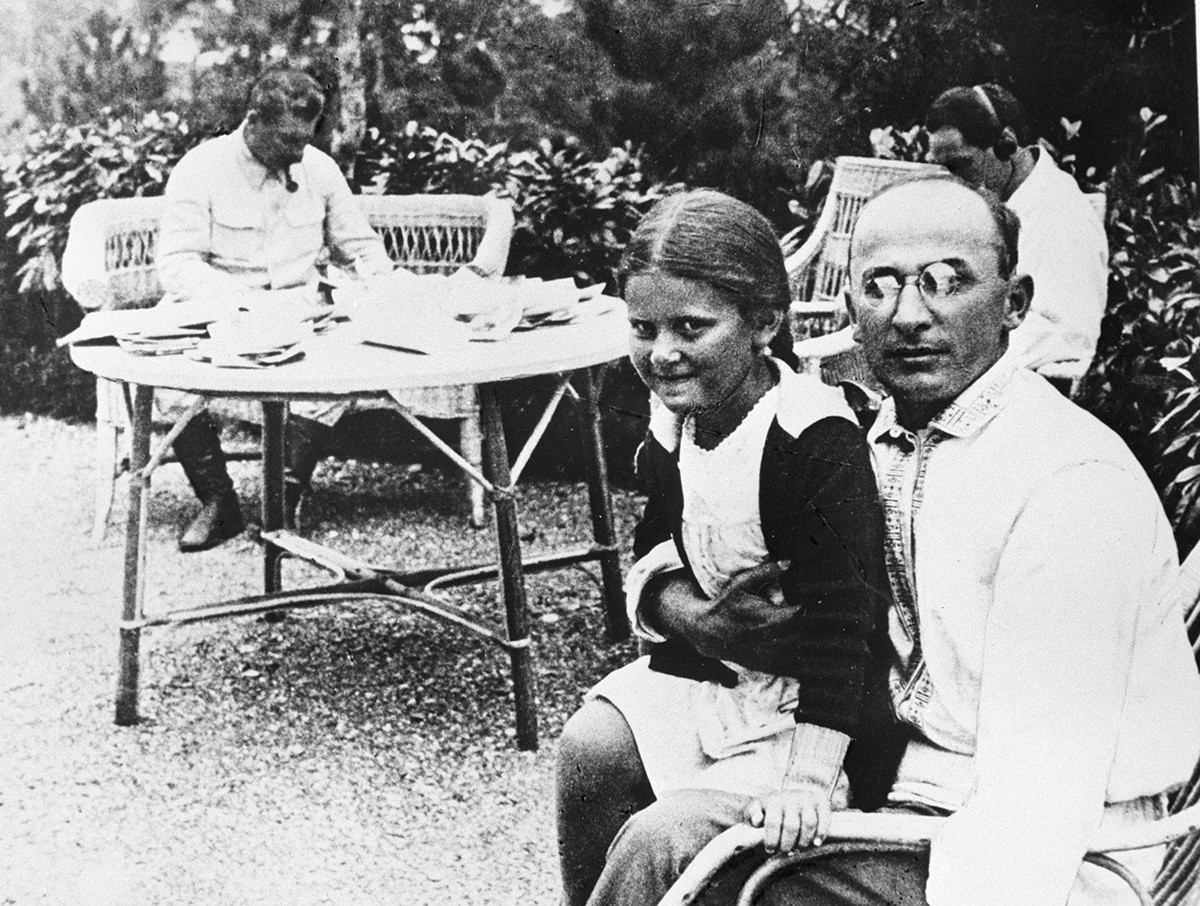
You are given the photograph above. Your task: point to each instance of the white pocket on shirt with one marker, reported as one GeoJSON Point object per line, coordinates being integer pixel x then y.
{"type": "Point", "coordinates": [235, 229]}
{"type": "Point", "coordinates": [305, 217]}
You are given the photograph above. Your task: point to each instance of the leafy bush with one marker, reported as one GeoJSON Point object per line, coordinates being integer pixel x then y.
{"type": "Point", "coordinates": [890, 143]}
{"type": "Point", "coordinates": [45, 381]}
{"type": "Point", "coordinates": [575, 215]}
{"type": "Point", "coordinates": [1142, 382]}
{"type": "Point", "coordinates": [59, 169]}
{"type": "Point", "coordinates": [63, 167]}
{"type": "Point", "coordinates": [420, 159]}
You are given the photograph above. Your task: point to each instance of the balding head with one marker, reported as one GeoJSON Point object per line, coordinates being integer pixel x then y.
{"type": "Point", "coordinates": [1006, 223]}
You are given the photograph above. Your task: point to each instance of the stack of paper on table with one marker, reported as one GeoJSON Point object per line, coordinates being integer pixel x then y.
{"type": "Point", "coordinates": [427, 313]}
{"type": "Point", "coordinates": [253, 342]}
{"type": "Point", "coordinates": [545, 303]}
{"type": "Point", "coordinates": [163, 322]}
{"type": "Point", "coordinates": [417, 313]}
{"type": "Point", "coordinates": [216, 334]}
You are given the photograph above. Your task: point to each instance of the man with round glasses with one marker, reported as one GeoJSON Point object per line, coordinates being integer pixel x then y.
{"type": "Point", "coordinates": [980, 134]}
{"type": "Point", "coordinates": [1041, 659]}
{"type": "Point", "coordinates": [1042, 675]}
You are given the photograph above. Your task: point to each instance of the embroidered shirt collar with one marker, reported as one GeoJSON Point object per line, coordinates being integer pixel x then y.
{"type": "Point", "coordinates": [964, 416]}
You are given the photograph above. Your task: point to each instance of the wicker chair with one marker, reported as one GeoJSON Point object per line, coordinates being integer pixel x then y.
{"type": "Point", "coordinates": [1177, 883]}
{"type": "Point", "coordinates": [109, 264]}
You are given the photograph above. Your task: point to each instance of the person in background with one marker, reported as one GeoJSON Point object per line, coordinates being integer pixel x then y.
{"type": "Point", "coordinates": [980, 134]}
{"type": "Point", "coordinates": [247, 216]}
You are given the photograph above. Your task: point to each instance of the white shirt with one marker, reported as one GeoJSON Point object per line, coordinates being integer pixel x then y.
{"type": "Point", "coordinates": [1043, 655]}
{"type": "Point", "coordinates": [1062, 245]}
{"type": "Point", "coordinates": [230, 225]}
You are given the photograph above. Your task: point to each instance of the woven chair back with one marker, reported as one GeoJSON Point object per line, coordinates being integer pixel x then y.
{"type": "Point", "coordinates": [855, 179]}
{"type": "Point", "coordinates": [125, 232]}
{"type": "Point", "coordinates": [438, 234]}
{"type": "Point", "coordinates": [424, 233]}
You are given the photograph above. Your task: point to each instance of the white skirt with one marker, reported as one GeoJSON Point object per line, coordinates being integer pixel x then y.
{"type": "Point", "coordinates": [667, 715]}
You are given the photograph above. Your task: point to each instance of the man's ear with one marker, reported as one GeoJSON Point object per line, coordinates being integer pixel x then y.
{"type": "Point", "coordinates": [1006, 146]}
{"type": "Point", "coordinates": [848, 297]}
{"type": "Point", "coordinates": [1018, 300]}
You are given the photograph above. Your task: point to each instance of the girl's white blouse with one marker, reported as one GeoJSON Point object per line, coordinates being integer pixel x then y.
{"type": "Point", "coordinates": [722, 535]}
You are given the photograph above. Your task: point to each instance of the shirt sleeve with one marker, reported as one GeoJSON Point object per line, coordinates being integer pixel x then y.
{"type": "Point", "coordinates": [184, 240]}
{"type": "Point", "coordinates": [348, 233]}
{"type": "Point", "coordinates": [653, 537]}
{"type": "Point", "coordinates": [816, 758]}
{"type": "Point", "coordinates": [1058, 647]}
{"type": "Point", "coordinates": [663, 558]}
{"type": "Point", "coordinates": [1066, 253]}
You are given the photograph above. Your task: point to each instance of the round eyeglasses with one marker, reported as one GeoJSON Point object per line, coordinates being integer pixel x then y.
{"type": "Point", "coordinates": [937, 281]}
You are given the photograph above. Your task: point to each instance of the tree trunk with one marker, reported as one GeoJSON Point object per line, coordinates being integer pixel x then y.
{"type": "Point", "coordinates": [350, 124]}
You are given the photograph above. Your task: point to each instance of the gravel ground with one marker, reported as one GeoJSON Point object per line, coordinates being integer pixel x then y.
{"type": "Point", "coordinates": [346, 755]}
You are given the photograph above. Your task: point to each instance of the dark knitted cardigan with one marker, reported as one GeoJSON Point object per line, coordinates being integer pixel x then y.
{"type": "Point", "coordinates": [820, 511]}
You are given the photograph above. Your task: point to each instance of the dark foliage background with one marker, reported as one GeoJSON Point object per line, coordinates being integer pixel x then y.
{"type": "Point", "coordinates": [585, 117]}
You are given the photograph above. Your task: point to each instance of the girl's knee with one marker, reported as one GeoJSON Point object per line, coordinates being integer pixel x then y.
{"type": "Point", "coordinates": [664, 837]}
{"type": "Point", "coordinates": [597, 746]}
{"type": "Point", "coordinates": [689, 818]}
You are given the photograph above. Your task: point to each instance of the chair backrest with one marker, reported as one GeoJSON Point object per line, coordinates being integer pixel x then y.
{"type": "Point", "coordinates": [109, 259]}
{"type": "Point", "coordinates": [112, 243]}
{"type": "Point", "coordinates": [441, 233]}
{"type": "Point", "coordinates": [817, 270]}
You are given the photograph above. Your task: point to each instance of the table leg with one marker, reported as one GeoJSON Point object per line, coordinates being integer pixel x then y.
{"type": "Point", "coordinates": [600, 500]}
{"type": "Point", "coordinates": [135, 560]}
{"type": "Point", "coordinates": [496, 468]}
{"type": "Point", "coordinates": [272, 489]}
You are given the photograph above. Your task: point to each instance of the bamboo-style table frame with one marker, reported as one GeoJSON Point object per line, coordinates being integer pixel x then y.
{"type": "Point", "coordinates": [332, 370]}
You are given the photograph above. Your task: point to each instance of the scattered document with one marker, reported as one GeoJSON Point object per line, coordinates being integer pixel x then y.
{"type": "Point", "coordinates": [428, 314]}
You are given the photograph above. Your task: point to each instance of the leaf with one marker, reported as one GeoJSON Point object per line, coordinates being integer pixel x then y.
{"type": "Point", "coordinates": [1191, 473]}
{"type": "Point", "coordinates": [1189, 497]}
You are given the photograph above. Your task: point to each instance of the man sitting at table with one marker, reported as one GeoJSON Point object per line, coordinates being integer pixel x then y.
{"type": "Point", "coordinates": [247, 216]}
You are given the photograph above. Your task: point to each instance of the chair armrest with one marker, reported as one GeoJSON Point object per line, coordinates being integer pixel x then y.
{"type": "Point", "coordinates": [83, 272]}
{"type": "Point", "coordinates": [109, 258]}
{"type": "Point", "coordinates": [491, 257]}
{"type": "Point", "coordinates": [826, 345]}
{"type": "Point", "coordinates": [905, 831]}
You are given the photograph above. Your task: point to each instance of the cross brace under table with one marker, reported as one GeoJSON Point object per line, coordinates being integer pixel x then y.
{"type": "Point", "coordinates": [419, 590]}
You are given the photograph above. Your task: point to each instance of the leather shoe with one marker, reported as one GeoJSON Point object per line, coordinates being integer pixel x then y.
{"type": "Point", "coordinates": [218, 520]}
